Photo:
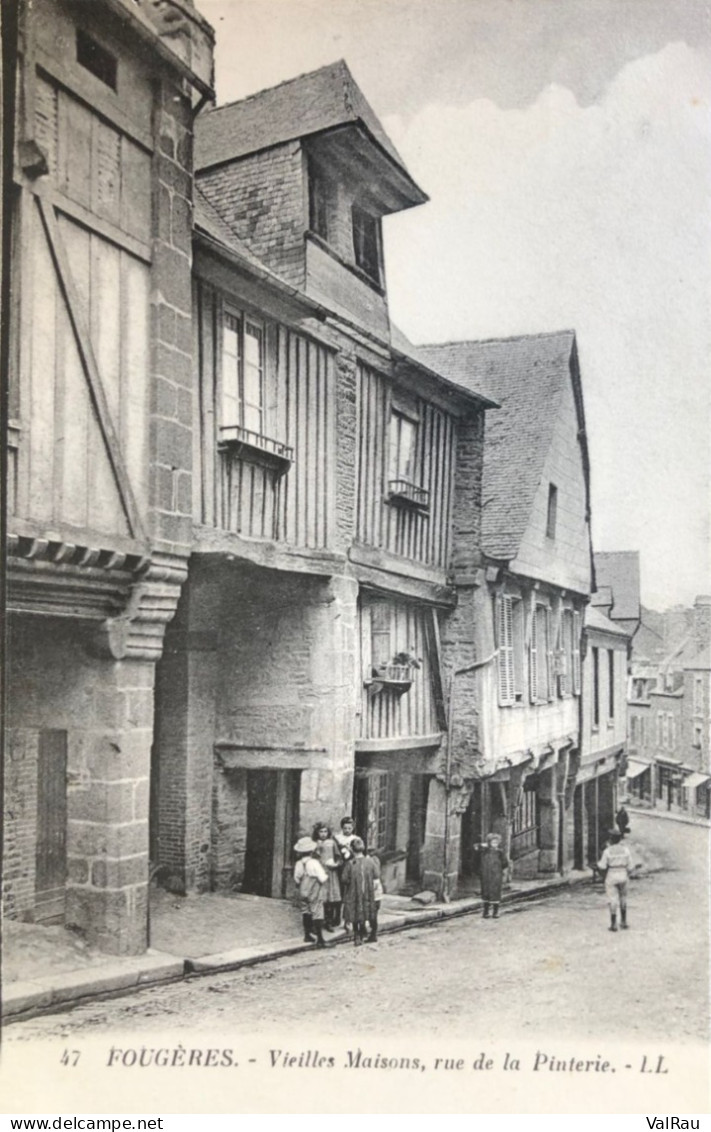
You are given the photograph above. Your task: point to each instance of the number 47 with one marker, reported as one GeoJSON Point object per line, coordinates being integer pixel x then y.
{"type": "Point", "coordinates": [70, 1057]}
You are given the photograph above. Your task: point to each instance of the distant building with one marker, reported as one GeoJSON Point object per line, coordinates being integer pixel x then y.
{"type": "Point", "coordinates": [669, 712]}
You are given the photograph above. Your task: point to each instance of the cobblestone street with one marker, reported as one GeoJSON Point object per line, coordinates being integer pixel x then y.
{"type": "Point", "coordinates": [548, 968]}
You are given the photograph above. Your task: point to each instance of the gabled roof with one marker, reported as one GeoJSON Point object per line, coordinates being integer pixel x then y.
{"type": "Point", "coordinates": [526, 375]}
{"type": "Point", "coordinates": [594, 619]}
{"type": "Point", "coordinates": [619, 571]}
{"type": "Point", "coordinates": [405, 350]}
{"type": "Point", "coordinates": [309, 104]}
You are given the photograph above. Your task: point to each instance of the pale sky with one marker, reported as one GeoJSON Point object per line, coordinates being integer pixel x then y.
{"type": "Point", "coordinates": [565, 148]}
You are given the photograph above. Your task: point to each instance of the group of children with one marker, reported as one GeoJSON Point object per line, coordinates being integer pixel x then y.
{"type": "Point", "coordinates": [333, 872]}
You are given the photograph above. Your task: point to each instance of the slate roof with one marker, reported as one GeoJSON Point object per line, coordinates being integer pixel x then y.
{"type": "Point", "coordinates": [619, 571]}
{"type": "Point", "coordinates": [308, 104]}
{"type": "Point", "coordinates": [526, 375]}
{"type": "Point", "coordinates": [402, 345]}
{"type": "Point", "coordinates": [208, 220]}
{"type": "Point", "coordinates": [594, 619]}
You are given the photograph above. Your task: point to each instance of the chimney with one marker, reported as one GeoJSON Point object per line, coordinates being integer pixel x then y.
{"type": "Point", "coordinates": [702, 622]}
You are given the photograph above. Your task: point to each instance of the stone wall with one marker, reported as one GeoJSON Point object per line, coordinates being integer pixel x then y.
{"type": "Point", "coordinates": [173, 376]}
{"type": "Point", "coordinates": [106, 710]}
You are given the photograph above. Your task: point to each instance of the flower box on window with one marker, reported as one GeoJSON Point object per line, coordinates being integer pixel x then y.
{"type": "Point", "coordinates": [397, 676]}
{"type": "Point", "coordinates": [262, 449]}
{"type": "Point", "coordinates": [404, 493]}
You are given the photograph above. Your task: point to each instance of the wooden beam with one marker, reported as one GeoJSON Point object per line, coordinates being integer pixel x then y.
{"type": "Point", "coordinates": [90, 367]}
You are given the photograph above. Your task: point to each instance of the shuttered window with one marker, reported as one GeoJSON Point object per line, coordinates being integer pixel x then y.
{"type": "Point", "coordinates": [504, 622]}
{"type": "Point", "coordinates": [509, 623]}
{"type": "Point", "coordinates": [539, 655]}
{"type": "Point", "coordinates": [576, 654]}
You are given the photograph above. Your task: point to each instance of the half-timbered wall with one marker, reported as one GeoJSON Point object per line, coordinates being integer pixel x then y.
{"type": "Point", "coordinates": [388, 628]}
{"type": "Point", "coordinates": [242, 489]}
{"type": "Point", "coordinates": [85, 284]}
{"type": "Point", "coordinates": [418, 532]}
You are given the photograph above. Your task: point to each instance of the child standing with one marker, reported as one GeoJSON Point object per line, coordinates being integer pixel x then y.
{"type": "Point", "coordinates": [494, 863]}
{"type": "Point", "coordinates": [310, 877]}
{"type": "Point", "coordinates": [329, 855]}
{"type": "Point", "coordinates": [359, 906]}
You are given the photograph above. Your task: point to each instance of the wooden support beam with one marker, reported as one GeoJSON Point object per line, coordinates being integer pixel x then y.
{"type": "Point", "coordinates": [89, 365]}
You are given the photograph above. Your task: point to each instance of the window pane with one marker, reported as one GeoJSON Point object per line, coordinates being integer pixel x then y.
{"type": "Point", "coordinates": [252, 345]}
{"type": "Point", "coordinates": [252, 418]}
{"type": "Point", "coordinates": [253, 386]}
{"type": "Point", "coordinates": [406, 454]}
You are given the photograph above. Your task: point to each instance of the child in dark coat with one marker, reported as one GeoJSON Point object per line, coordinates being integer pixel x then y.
{"type": "Point", "coordinates": [494, 863]}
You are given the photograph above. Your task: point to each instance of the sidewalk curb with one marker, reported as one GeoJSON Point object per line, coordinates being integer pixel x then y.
{"type": "Point", "coordinates": [30, 999]}
{"type": "Point", "coordinates": [665, 815]}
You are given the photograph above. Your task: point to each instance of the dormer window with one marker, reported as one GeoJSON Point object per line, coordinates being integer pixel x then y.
{"type": "Point", "coordinates": [318, 201]}
{"type": "Point", "coordinates": [366, 242]}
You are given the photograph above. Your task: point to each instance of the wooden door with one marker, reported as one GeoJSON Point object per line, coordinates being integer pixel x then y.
{"type": "Point", "coordinates": [272, 818]}
{"type": "Point", "coordinates": [288, 793]}
{"type": "Point", "coordinates": [261, 818]}
{"type": "Point", "coordinates": [51, 851]}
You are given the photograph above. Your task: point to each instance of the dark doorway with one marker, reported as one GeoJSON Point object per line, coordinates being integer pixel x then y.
{"type": "Point", "coordinates": [272, 816]}
{"type": "Point", "coordinates": [579, 861]}
{"type": "Point", "coordinates": [472, 834]}
{"type": "Point", "coordinates": [51, 851]}
{"type": "Point", "coordinates": [419, 790]}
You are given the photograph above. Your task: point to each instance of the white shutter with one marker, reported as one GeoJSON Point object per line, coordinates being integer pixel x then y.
{"type": "Point", "coordinates": [576, 654]}
{"type": "Point", "coordinates": [533, 655]}
{"type": "Point", "coordinates": [550, 665]}
{"type": "Point", "coordinates": [505, 646]}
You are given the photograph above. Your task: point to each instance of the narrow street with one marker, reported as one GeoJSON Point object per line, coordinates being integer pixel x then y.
{"type": "Point", "coordinates": [548, 968]}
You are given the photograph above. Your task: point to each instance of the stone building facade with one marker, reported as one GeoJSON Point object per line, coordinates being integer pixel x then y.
{"type": "Point", "coordinates": [99, 462]}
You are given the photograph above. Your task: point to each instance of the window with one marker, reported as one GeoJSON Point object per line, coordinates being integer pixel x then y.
{"type": "Point", "coordinates": [552, 510]}
{"type": "Point", "coordinates": [634, 727]}
{"type": "Point", "coordinates": [567, 654]}
{"type": "Point", "coordinates": [596, 685]}
{"type": "Point", "coordinates": [380, 792]}
{"type": "Point", "coordinates": [524, 828]}
{"type": "Point", "coordinates": [380, 621]}
{"type": "Point", "coordinates": [318, 201]}
{"type": "Point", "coordinates": [242, 373]}
{"type": "Point", "coordinates": [540, 666]}
{"type": "Point", "coordinates": [366, 242]}
{"type": "Point", "coordinates": [672, 731]}
{"type": "Point", "coordinates": [96, 59]}
{"type": "Point", "coordinates": [698, 731]}
{"type": "Point", "coordinates": [659, 729]}
{"type": "Point", "coordinates": [403, 447]}
{"type": "Point", "coordinates": [698, 696]}
{"type": "Point", "coordinates": [509, 621]}
{"type": "Point", "coordinates": [611, 683]}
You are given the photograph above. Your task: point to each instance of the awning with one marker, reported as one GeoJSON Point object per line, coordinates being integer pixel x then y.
{"type": "Point", "coordinates": [695, 780]}
{"type": "Point", "coordinates": [634, 769]}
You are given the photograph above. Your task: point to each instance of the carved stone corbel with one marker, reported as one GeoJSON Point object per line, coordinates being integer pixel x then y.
{"type": "Point", "coordinates": [137, 632]}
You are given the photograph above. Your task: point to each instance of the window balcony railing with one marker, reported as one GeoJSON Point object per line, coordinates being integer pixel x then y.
{"type": "Point", "coordinates": [407, 494]}
{"type": "Point", "coordinates": [239, 441]}
{"type": "Point", "coordinates": [395, 677]}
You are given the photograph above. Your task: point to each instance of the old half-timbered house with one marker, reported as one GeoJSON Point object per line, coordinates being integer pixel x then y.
{"type": "Point", "coordinates": [99, 468]}
{"type": "Point", "coordinates": [304, 655]}
{"type": "Point", "coordinates": [519, 694]}
{"type": "Point", "coordinates": [605, 650]}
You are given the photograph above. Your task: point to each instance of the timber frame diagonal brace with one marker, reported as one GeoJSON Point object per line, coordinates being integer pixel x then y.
{"type": "Point", "coordinates": [90, 366]}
